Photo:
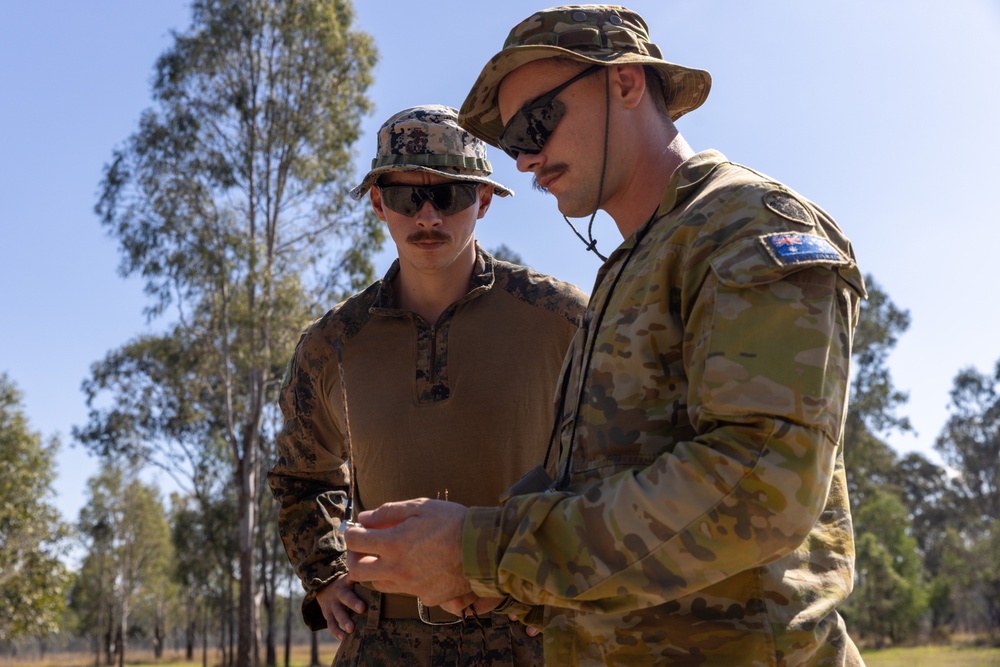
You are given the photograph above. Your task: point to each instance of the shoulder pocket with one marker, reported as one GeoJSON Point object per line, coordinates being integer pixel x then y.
{"type": "Point", "coordinates": [763, 259]}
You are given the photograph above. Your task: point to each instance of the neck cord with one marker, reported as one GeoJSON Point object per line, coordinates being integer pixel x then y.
{"type": "Point", "coordinates": [591, 244]}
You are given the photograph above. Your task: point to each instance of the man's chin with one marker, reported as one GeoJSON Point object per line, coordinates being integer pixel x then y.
{"type": "Point", "coordinates": [574, 209]}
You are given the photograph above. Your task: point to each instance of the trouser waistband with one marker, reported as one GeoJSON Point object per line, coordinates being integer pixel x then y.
{"type": "Point", "coordinates": [391, 605]}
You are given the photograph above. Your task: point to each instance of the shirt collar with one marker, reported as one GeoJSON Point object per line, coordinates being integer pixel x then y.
{"type": "Point", "coordinates": [686, 178]}
{"type": "Point", "coordinates": [386, 300]}
{"type": "Point", "coordinates": [683, 183]}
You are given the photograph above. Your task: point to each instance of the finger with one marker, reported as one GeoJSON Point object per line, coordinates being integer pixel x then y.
{"type": "Point", "coordinates": [373, 541]}
{"type": "Point", "coordinates": [335, 630]}
{"type": "Point", "coordinates": [361, 541]}
{"type": "Point", "coordinates": [457, 606]}
{"type": "Point", "coordinates": [350, 599]}
{"type": "Point", "coordinates": [369, 568]}
{"type": "Point", "coordinates": [390, 514]}
{"type": "Point", "coordinates": [531, 632]}
{"type": "Point", "coordinates": [486, 605]}
{"type": "Point", "coordinates": [342, 618]}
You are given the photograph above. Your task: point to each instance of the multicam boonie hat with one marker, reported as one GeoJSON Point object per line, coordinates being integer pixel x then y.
{"type": "Point", "coordinates": [428, 138]}
{"type": "Point", "coordinates": [593, 34]}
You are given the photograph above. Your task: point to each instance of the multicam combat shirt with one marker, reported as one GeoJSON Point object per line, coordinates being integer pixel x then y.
{"type": "Point", "coordinates": [701, 514]}
{"type": "Point", "coordinates": [458, 409]}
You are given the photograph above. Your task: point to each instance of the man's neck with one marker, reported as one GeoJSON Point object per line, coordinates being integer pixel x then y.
{"type": "Point", "coordinates": [654, 163]}
{"type": "Point", "coordinates": [430, 294]}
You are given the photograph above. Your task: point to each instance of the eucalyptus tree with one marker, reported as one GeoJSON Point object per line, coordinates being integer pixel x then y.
{"type": "Point", "coordinates": [890, 595]}
{"type": "Point", "coordinates": [129, 552]}
{"type": "Point", "coordinates": [230, 201]}
{"type": "Point", "coordinates": [875, 400]}
{"type": "Point", "coordinates": [32, 577]}
{"type": "Point", "coordinates": [970, 440]}
{"type": "Point", "coordinates": [970, 444]}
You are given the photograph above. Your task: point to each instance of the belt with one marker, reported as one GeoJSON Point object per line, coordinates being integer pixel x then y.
{"type": "Point", "coordinates": [392, 605]}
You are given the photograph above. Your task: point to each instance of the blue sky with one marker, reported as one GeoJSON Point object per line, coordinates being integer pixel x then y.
{"type": "Point", "coordinates": [884, 113]}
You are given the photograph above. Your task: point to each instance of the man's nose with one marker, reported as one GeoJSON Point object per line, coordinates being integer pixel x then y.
{"type": "Point", "coordinates": [529, 161]}
{"type": "Point", "coordinates": [428, 215]}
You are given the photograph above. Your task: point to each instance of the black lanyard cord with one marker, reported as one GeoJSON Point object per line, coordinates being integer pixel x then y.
{"type": "Point", "coordinates": [564, 476]}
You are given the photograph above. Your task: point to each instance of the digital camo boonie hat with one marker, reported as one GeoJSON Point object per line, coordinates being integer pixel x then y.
{"type": "Point", "coordinates": [428, 138]}
{"type": "Point", "coordinates": [593, 34]}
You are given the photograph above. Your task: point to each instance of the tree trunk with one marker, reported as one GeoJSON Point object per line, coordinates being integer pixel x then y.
{"type": "Point", "coordinates": [248, 652]}
{"type": "Point", "coordinates": [204, 635]}
{"type": "Point", "coordinates": [268, 580]}
{"type": "Point", "coordinates": [225, 608]}
{"type": "Point", "coordinates": [314, 650]}
{"type": "Point", "coordinates": [158, 638]}
{"type": "Point", "coordinates": [189, 634]}
{"type": "Point", "coordinates": [288, 631]}
{"type": "Point", "coordinates": [123, 632]}
{"type": "Point", "coordinates": [109, 634]}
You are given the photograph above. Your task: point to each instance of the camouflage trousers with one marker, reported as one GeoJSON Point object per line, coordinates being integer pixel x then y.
{"type": "Point", "coordinates": [394, 642]}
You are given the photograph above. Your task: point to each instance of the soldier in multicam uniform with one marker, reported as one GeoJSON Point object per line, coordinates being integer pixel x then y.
{"type": "Point", "coordinates": [699, 511]}
{"type": "Point", "coordinates": [449, 365]}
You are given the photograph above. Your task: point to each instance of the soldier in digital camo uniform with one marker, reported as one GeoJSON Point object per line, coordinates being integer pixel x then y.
{"type": "Point", "coordinates": [699, 512]}
{"type": "Point", "coordinates": [449, 366]}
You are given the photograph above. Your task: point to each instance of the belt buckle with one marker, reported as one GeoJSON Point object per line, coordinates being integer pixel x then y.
{"type": "Point", "coordinates": [424, 614]}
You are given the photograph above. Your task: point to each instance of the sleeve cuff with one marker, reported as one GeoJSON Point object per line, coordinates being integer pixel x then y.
{"type": "Point", "coordinates": [312, 614]}
{"type": "Point", "coordinates": [480, 547]}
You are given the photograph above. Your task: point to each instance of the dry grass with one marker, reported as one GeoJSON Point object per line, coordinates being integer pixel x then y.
{"type": "Point", "coordinates": [299, 658]}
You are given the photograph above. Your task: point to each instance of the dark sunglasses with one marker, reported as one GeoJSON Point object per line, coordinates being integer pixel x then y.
{"type": "Point", "coordinates": [448, 198]}
{"type": "Point", "coordinates": [533, 124]}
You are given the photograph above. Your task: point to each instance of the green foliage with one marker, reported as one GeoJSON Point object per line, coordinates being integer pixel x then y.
{"type": "Point", "coordinates": [505, 253]}
{"type": "Point", "coordinates": [231, 201]}
{"type": "Point", "coordinates": [32, 578]}
{"type": "Point", "coordinates": [970, 440]}
{"type": "Point", "coordinates": [889, 598]}
{"type": "Point", "coordinates": [128, 558]}
{"type": "Point", "coordinates": [935, 504]}
{"type": "Point", "coordinates": [987, 553]}
{"type": "Point", "coordinates": [241, 171]}
{"type": "Point", "coordinates": [967, 583]}
{"type": "Point", "coordinates": [874, 399]}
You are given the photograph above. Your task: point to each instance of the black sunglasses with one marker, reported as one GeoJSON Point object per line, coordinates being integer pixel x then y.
{"type": "Point", "coordinates": [448, 198]}
{"type": "Point", "coordinates": [533, 124]}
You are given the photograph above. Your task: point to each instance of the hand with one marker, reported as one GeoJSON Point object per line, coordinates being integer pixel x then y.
{"type": "Point", "coordinates": [412, 547]}
{"type": "Point", "coordinates": [336, 600]}
{"type": "Point", "coordinates": [530, 631]}
{"type": "Point", "coordinates": [459, 606]}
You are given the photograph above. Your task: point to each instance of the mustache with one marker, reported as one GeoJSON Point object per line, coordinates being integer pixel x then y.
{"type": "Point", "coordinates": [544, 173]}
{"type": "Point", "coordinates": [423, 235]}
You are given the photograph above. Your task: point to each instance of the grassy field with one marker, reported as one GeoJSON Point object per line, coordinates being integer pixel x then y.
{"type": "Point", "coordinates": [926, 656]}
{"type": "Point", "coordinates": [933, 656]}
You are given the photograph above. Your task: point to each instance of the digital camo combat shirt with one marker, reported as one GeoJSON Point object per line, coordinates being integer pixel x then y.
{"type": "Point", "coordinates": [461, 408]}
{"type": "Point", "coordinates": [701, 515]}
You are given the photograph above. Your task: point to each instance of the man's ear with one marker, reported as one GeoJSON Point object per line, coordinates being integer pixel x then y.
{"type": "Point", "coordinates": [630, 82]}
{"type": "Point", "coordinates": [376, 198]}
{"type": "Point", "coordinates": [485, 199]}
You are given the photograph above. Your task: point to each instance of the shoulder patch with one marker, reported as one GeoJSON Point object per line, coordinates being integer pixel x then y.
{"type": "Point", "coordinates": [794, 248]}
{"type": "Point", "coordinates": [788, 207]}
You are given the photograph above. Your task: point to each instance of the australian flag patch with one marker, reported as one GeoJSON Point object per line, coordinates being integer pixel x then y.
{"type": "Point", "coordinates": [794, 248]}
